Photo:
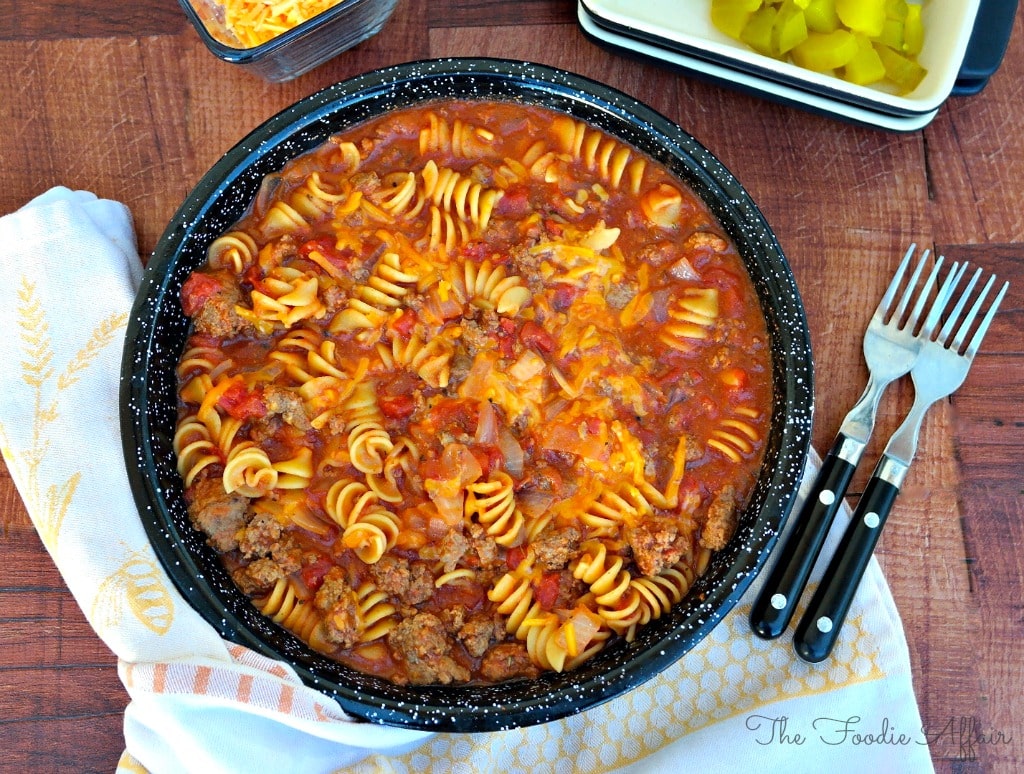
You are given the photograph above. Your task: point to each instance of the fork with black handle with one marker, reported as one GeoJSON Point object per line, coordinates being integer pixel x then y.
{"type": "Point", "coordinates": [891, 345]}
{"type": "Point", "coordinates": [941, 368]}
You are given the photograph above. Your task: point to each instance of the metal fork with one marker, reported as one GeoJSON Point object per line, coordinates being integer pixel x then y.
{"type": "Point", "coordinates": [941, 368]}
{"type": "Point", "coordinates": [891, 346]}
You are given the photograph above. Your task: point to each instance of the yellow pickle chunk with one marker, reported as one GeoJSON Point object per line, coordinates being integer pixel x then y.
{"type": "Point", "coordinates": [861, 41]}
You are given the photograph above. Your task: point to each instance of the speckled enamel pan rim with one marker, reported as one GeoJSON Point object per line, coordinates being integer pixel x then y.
{"type": "Point", "coordinates": [157, 332]}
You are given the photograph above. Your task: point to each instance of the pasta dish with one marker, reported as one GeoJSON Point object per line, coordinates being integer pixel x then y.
{"type": "Point", "coordinates": [472, 391]}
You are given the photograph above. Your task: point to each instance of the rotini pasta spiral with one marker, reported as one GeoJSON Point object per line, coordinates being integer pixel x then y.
{"type": "Point", "coordinates": [691, 318]}
{"type": "Point", "coordinates": [603, 572]}
{"type": "Point", "coordinates": [248, 471]}
{"type": "Point", "coordinates": [369, 529]}
{"type": "Point", "coordinates": [281, 218]}
{"type": "Point", "coordinates": [491, 287]}
{"type": "Point", "coordinates": [735, 437]}
{"type": "Point", "coordinates": [348, 500]}
{"type": "Point", "coordinates": [288, 296]}
{"type": "Point", "coordinates": [663, 205]}
{"type": "Point", "coordinates": [459, 194]}
{"type": "Point", "coordinates": [543, 646]}
{"type": "Point", "coordinates": [368, 441]}
{"type": "Point", "coordinates": [346, 156]}
{"type": "Point", "coordinates": [513, 595]}
{"type": "Point", "coordinates": [430, 360]}
{"type": "Point", "coordinates": [194, 448]}
{"type": "Point", "coordinates": [315, 198]}
{"type": "Point", "coordinates": [295, 472]}
{"type": "Point", "coordinates": [235, 250]}
{"type": "Point", "coordinates": [552, 643]}
{"type": "Point", "coordinates": [599, 153]}
{"type": "Point", "coordinates": [372, 302]}
{"type": "Point", "coordinates": [201, 360]}
{"type": "Point", "coordinates": [404, 456]}
{"type": "Point", "coordinates": [445, 233]}
{"type": "Point", "coordinates": [372, 534]}
{"type": "Point", "coordinates": [399, 199]}
{"type": "Point", "coordinates": [375, 611]}
{"type": "Point", "coordinates": [658, 593]}
{"type": "Point", "coordinates": [284, 606]}
{"type": "Point", "coordinates": [607, 514]}
{"type": "Point", "coordinates": [460, 139]}
{"type": "Point", "coordinates": [492, 503]}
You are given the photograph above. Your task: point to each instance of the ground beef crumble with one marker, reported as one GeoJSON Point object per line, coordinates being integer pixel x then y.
{"type": "Point", "coordinates": [721, 520]}
{"type": "Point", "coordinates": [221, 516]}
{"type": "Point", "coordinates": [507, 660]}
{"type": "Point", "coordinates": [422, 643]}
{"type": "Point", "coordinates": [656, 544]}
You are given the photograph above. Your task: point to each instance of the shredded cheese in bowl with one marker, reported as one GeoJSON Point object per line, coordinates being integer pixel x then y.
{"type": "Point", "coordinates": [255, 22]}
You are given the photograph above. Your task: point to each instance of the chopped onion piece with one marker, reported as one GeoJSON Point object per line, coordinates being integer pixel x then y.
{"type": "Point", "coordinates": [683, 269]}
{"type": "Point", "coordinates": [486, 424]}
{"type": "Point", "coordinates": [511, 451]}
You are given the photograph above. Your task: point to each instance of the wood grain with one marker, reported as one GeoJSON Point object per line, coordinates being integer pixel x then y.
{"type": "Point", "coordinates": [126, 101]}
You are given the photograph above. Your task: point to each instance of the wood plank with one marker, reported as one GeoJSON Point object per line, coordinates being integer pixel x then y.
{"type": "Point", "coordinates": [969, 154]}
{"type": "Point", "coordinates": [990, 501]}
{"type": "Point", "coordinates": [43, 694]}
{"type": "Point", "coordinates": [61, 743]}
{"type": "Point", "coordinates": [482, 13]}
{"type": "Point", "coordinates": [91, 19]}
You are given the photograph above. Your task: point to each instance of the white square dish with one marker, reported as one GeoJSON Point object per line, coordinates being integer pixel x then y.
{"type": "Point", "coordinates": [743, 81]}
{"type": "Point", "coordinates": [687, 28]}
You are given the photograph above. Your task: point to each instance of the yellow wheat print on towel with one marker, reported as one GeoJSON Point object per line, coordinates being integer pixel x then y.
{"type": "Point", "coordinates": [50, 366]}
{"type": "Point", "coordinates": [137, 587]}
{"type": "Point", "coordinates": [40, 373]}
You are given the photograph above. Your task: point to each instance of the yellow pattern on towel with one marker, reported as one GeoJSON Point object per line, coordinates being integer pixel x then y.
{"type": "Point", "coordinates": [37, 371]}
{"type": "Point", "coordinates": [138, 585]}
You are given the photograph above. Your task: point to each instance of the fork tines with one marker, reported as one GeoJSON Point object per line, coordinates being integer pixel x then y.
{"type": "Point", "coordinates": [953, 337]}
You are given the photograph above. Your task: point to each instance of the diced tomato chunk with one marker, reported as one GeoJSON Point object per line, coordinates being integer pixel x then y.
{"type": "Point", "coordinates": [197, 290]}
{"type": "Point", "coordinates": [489, 456]}
{"type": "Point", "coordinates": [242, 403]}
{"type": "Point", "coordinates": [405, 322]}
{"type": "Point", "coordinates": [532, 335]}
{"type": "Point", "coordinates": [477, 251]}
{"type": "Point", "coordinates": [505, 337]}
{"type": "Point", "coordinates": [515, 203]}
{"type": "Point", "coordinates": [325, 246]}
{"type": "Point", "coordinates": [515, 557]}
{"type": "Point", "coordinates": [396, 406]}
{"type": "Point", "coordinates": [203, 340]}
{"type": "Point", "coordinates": [430, 469]}
{"type": "Point", "coordinates": [313, 573]}
{"type": "Point", "coordinates": [322, 244]}
{"type": "Point", "coordinates": [545, 591]}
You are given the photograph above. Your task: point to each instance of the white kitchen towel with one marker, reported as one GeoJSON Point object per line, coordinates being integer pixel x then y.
{"type": "Point", "coordinates": [198, 703]}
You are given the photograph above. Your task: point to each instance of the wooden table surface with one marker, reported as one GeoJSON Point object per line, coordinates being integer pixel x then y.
{"type": "Point", "coordinates": [124, 100]}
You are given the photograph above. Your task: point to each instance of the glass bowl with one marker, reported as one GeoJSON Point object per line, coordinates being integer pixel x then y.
{"type": "Point", "coordinates": [297, 50]}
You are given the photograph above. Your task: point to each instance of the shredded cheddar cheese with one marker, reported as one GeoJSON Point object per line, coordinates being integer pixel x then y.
{"type": "Point", "coordinates": [254, 22]}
